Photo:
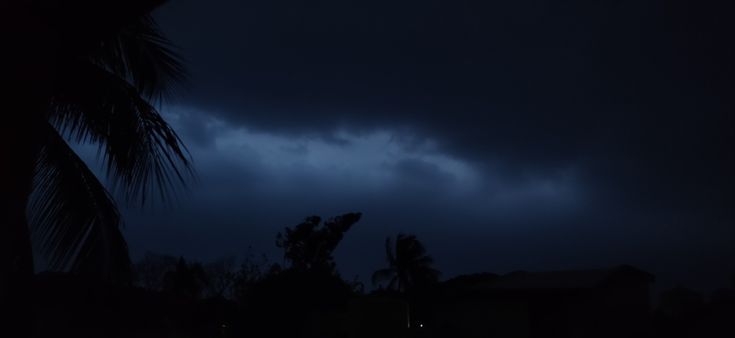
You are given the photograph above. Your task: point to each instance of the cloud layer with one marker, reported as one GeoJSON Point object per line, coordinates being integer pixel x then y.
{"type": "Point", "coordinates": [513, 135]}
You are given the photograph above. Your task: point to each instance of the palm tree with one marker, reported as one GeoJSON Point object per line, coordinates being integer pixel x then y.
{"type": "Point", "coordinates": [106, 98]}
{"type": "Point", "coordinates": [95, 84]}
{"type": "Point", "coordinates": [90, 71]}
{"type": "Point", "coordinates": [408, 265]}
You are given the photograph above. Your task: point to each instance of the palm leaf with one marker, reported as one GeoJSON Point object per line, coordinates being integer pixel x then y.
{"type": "Point", "coordinates": [144, 57]}
{"type": "Point", "coordinates": [408, 264]}
{"type": "Point", "coordinates": [73, 217]}
{"type": "Point", "coordinates": [141, 152]}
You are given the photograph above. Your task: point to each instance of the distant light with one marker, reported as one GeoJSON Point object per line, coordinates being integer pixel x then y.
{"type": "Point", "coordinates": [421, 325]}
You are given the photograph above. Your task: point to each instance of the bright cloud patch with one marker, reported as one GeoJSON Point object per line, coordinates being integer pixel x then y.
{"type": "Point", "coordinates": [377, 159]}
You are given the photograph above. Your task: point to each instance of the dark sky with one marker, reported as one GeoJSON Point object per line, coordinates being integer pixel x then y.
{"type": "Point", "coordinates": [508, 135]}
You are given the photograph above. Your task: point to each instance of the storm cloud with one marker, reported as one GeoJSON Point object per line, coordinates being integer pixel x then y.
{"type": "Point", "coordinates": [507, 135]}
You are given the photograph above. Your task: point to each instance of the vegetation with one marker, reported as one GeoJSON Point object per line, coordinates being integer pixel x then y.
{"type": "Point", "coordinates": [307, 297]}
{"type": "Point", "coordinates": [94, 86]}
{"type": "Point", "coordinates": [309, 245]}
{"type": "Point", "coordinates": [408, 265]}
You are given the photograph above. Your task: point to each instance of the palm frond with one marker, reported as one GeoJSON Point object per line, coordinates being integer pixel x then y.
{"type": "Point", "coordinates": [408, 264]}
{"type": "Point", "coordinates": [408, 247]}
{"type": "Point", "coordinates": [141, 55]}
{"type": "Point", "coordinates": [72, 215]}
{"type": "Point", "coordinates": [141, 152]}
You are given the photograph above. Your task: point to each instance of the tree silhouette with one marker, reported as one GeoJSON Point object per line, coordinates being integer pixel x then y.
{"type": "Point", "coordinates": [309, 245]}
{"type": "Point", "coordinates": [408, 265]}
{"type": "Point", "coordinates": [186, 282]}
{"type": "Point", "coordinates": [222, 275]}
{"type": "Point", "coordinates": [90, 71]}
{"type": "Point", "coordinates": [251, 271]}
{"type": "Point", "coordinates": [105, 99]}
{"type": "Point", "coordinates": [103, 95]}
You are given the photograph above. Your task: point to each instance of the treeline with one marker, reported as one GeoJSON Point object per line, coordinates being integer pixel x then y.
{"type": "Point", "coordinates": [305, 296]}
{"type": "Point", "coordinates": [172, 296]}
{"type": "Point", "coordinates": [307, 247]}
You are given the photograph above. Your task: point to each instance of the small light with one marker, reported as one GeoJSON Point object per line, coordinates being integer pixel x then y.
{"type": "Point", "coordinates": [421, 325]}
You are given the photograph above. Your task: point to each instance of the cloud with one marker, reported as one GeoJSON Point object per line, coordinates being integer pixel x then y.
{"type": "Point", "coordinates": [522, 87]}
{"type": "Point", "coordinates": [531, 133]}
{"type": "Point", "coordinates": [379, 159]}
{"type": "Point", "coordinates": [251, 184]}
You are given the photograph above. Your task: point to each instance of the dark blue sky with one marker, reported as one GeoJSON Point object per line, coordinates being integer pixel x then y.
{"type": "Point", "coordinates": [513, 135]}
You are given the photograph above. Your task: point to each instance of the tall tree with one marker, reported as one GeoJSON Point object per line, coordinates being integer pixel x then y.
{"type": "Point", "coordinates": [408, 265]}
{"type": "Point", "coordinates": [309, 245]}
{"type": "Point", "coordinates": [105, 98]}
{"type": "Point", "coordinates": [91, 71]}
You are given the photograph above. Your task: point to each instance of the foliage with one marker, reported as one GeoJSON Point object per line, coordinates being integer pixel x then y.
{"type": "Point", "coordinates": [105, 96]}
{"type": "Point", "coordinates": [409, 266]}
{"type": "Point", "coordinates": [296, 298]}
{"type": "Point", "coordinates": [221, 277]}
{"type": "Point", "coordinates": [310, 244]}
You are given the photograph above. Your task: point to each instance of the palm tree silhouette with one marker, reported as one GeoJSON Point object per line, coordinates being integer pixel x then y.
{"type": "Point", "coordinates": [96, 81]}
{"type": "Point", "coordinates": [106, 99]}
{"type": "Point", "coordinates": [91, 71]}
{"type": "Point", "coordinates": [408, 265]}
